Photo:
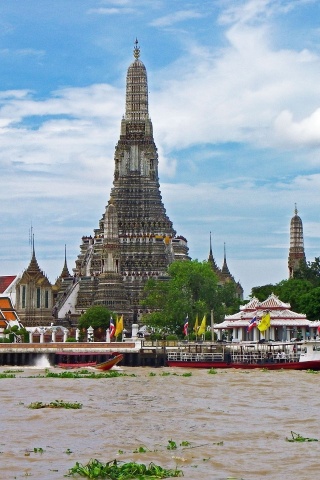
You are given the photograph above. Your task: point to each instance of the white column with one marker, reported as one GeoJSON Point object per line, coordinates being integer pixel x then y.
{"type": "Point", "coordinates": [41, 335]}
{"type": "Point", "coordinates": [65, 334]}
{"type": "Point", "coordinates": [77, 334]}
{"type": "Point", "coordinates": [135, 328]}
{"type": "Point", "coordinates": [53, 335]}
{"type": "Point", "coordinates": [241, 331]}
{"type": "Point", "coordinates": [108, 335]}
{"type": "Point", "coordinates": [234, 332]}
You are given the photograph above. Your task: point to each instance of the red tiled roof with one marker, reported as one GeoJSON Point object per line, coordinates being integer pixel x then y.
{"type": "Point", "coordinates": [5, 281]}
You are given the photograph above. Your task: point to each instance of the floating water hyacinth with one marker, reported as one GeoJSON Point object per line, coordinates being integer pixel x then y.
{"type": "Point", "coordinates": [55, 404]}
{"type": "Point", "coordinates": [296, 437]}
{"type": "Point", "coordinates": [115, 470]}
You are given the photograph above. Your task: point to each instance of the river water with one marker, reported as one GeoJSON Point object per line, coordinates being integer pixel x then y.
{"type": "Point", "coordinates": [236, 422]}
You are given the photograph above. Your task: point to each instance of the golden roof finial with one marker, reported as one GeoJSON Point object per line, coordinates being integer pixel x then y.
{"type": "Point", "coordinates": [136, 50]}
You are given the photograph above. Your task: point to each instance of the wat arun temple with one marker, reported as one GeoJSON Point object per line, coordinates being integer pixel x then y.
{"type": "Point", "coordinates": [134, 240]}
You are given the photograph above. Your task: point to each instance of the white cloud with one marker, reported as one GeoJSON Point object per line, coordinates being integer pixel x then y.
{"type": "Point", "coordinates": [176, 17]}
{"type": "Point", "coordinates": [110, 11]}
{"type": "Point", "coordinates": [238, 94]}
{"type": "Point", "coordinates": [306, 132]}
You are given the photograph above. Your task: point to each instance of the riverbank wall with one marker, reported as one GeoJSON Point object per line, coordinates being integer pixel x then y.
{"type": "Point", "coordinates": [135, 354]}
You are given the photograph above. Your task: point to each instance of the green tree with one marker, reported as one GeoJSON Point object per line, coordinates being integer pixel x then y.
{"type": "Point", "coordinates": [97, 317]}
{"type": "Point", "coordinates": [310, 304]}
{"type": "Point", "coordinates": [309, 271]}
{"type": "Point", "coordinates": [292, 290]}
{"type": "Point", "coordinates": [191, 289]}
{"type": "Point", "coordinates": [263, 292]}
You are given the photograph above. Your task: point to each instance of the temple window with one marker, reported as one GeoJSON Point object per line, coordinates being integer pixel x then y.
{"type": "Point", "coordinates": [38, 298]}
{"type": "Point", "coordinates": [23, 296]}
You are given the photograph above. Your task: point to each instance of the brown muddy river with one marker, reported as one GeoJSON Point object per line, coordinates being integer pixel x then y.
{"type": "Point", "coordinates": [235, 421]}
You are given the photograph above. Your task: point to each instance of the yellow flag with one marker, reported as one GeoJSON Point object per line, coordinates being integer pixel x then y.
{"type": "Point", "coordinates": [196, 326]}
{"type": "Point", "coordinates": [119, 326]}
{"type": "Point", "coordinates": [203, 327]}
{"type": "Point", "coordinates": [265, 322]}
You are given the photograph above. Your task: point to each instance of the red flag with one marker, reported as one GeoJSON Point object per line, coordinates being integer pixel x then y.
{"type": "Point", "coordinates": [112, 327]}
{"type": "Point", "coordinates": [185, 326]}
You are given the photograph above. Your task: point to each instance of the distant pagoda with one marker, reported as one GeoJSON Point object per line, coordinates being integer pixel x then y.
{"type": "Point", "coordinates": [135, 239]}
{"type": "Point", "coordinates": [297, 255]}
{"type": "Point", "coordinates": [223, 274]}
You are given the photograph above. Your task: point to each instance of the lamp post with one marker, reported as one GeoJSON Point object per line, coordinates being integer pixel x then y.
{"type": "Point", "coordinates": [90, 334]}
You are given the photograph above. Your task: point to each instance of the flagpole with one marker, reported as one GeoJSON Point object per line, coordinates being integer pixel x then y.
{"type": "Point", "coordinates": [212, 327]}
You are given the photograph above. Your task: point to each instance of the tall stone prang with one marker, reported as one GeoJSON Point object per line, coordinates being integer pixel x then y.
{"type": "Point", "coordinates": [135, 239]}
{"type": "Point", "coordinates": [296, 251]}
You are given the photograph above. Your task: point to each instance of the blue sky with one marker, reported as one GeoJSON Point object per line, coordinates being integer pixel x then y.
{"type": "Point", "coordinates": [234, 97]}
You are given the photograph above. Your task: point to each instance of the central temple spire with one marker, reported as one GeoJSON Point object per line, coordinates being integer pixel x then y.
{"type": "Point", "coordinates": [135, 240]}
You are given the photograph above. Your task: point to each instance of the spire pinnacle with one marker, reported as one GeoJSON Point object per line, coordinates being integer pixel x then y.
{"type": "Point", "coordinates": [136, 50]}
{"type": "Point", "coordinates": [210, 252]}
{"type": "Point", "coordinates": [295, 209]}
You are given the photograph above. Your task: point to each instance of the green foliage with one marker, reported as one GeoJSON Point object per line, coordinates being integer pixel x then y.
{"type": "Point", "coordinates": [302, 294]}
{"type": "Point", "coordinates": [263, 292]}
{"type": "Point", "coordinates": [309, 271]}
{"type": "Point", "coordinates": [191, 289]}
{"type": "Point", "coordinates": [309, 304]}
{"type": "Point", "coordinates": [87, 374]}
{"type": "Point", "coordinates": [172, 445]}
{"type": "Point", "coordinates": [296, 437]}
{"type": "Point", "coordinates": [96, 317]}
{"type": "Point", "coordinates": [122, 471]}
{"type": "Point", "coordinates": [71, 339]}
{"type": "Point", "coordinates": [14, 331]}
{"type": "Point", "coordinates": [55, 404]}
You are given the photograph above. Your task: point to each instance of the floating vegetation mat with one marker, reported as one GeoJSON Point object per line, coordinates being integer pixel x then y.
{"type": "Point", "coordinates": [296, 437]}
{"type": "Point", "coordinates": [86, 374]}
{"type": "Point", "coordinates": [55, 404]}
{"type": "Point", "coordinates": [115, 470]}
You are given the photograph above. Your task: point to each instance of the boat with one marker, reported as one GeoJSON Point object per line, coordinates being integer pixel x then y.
{"type": "Point", "coordinates": [248, 355]}
{"type": "Point", "coordinates": [109, 363]}
{"type": "Point", "coordinates": [70, 360]}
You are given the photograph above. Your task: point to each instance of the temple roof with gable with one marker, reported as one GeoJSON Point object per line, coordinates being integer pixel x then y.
{"type": "Point", "coordinates": [280, 314]}
{"type": "Point", "coordinates": [34, 272]}
{"type": "Point", "coordinates": [8, 315]}
{"type": "Point", "coordinates": [6, 281]}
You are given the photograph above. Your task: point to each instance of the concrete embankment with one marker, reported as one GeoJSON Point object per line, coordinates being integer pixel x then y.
{"type": "Point", "coordinates": [27, 354]}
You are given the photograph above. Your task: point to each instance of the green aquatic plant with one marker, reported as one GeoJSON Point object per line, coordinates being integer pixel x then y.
{"type": "Point", "coordinates": [171, 445]}
{"type": "Point", "coordinates": [312, 371]}
{"type": "Point", "coordinates": [185, 443]}
{"type": "Point", "coordinates": [212, 371]}
{"type": "Point", "coordinates": [296, 437]}
{"type": "Point", "coordinates": [141, 449]}
{"type": "Point", "coordinates": [115, 470]}
{"type": "Point", "coordinates": [87, 374]}
{"type": "Point", "coordinates": [38, 450]}
{"type": "Point", "coordinates": [55, 404]}
{"type": "Point", "coordinates": [7, 375]}
{"type": "Point", "coordinates": [187, 374]}
{"type": "Point", "coordinates": [13, 371]}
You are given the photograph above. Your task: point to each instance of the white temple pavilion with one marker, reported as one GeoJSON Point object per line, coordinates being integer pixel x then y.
{"type": "Point", "coordinates": [284, 323]}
